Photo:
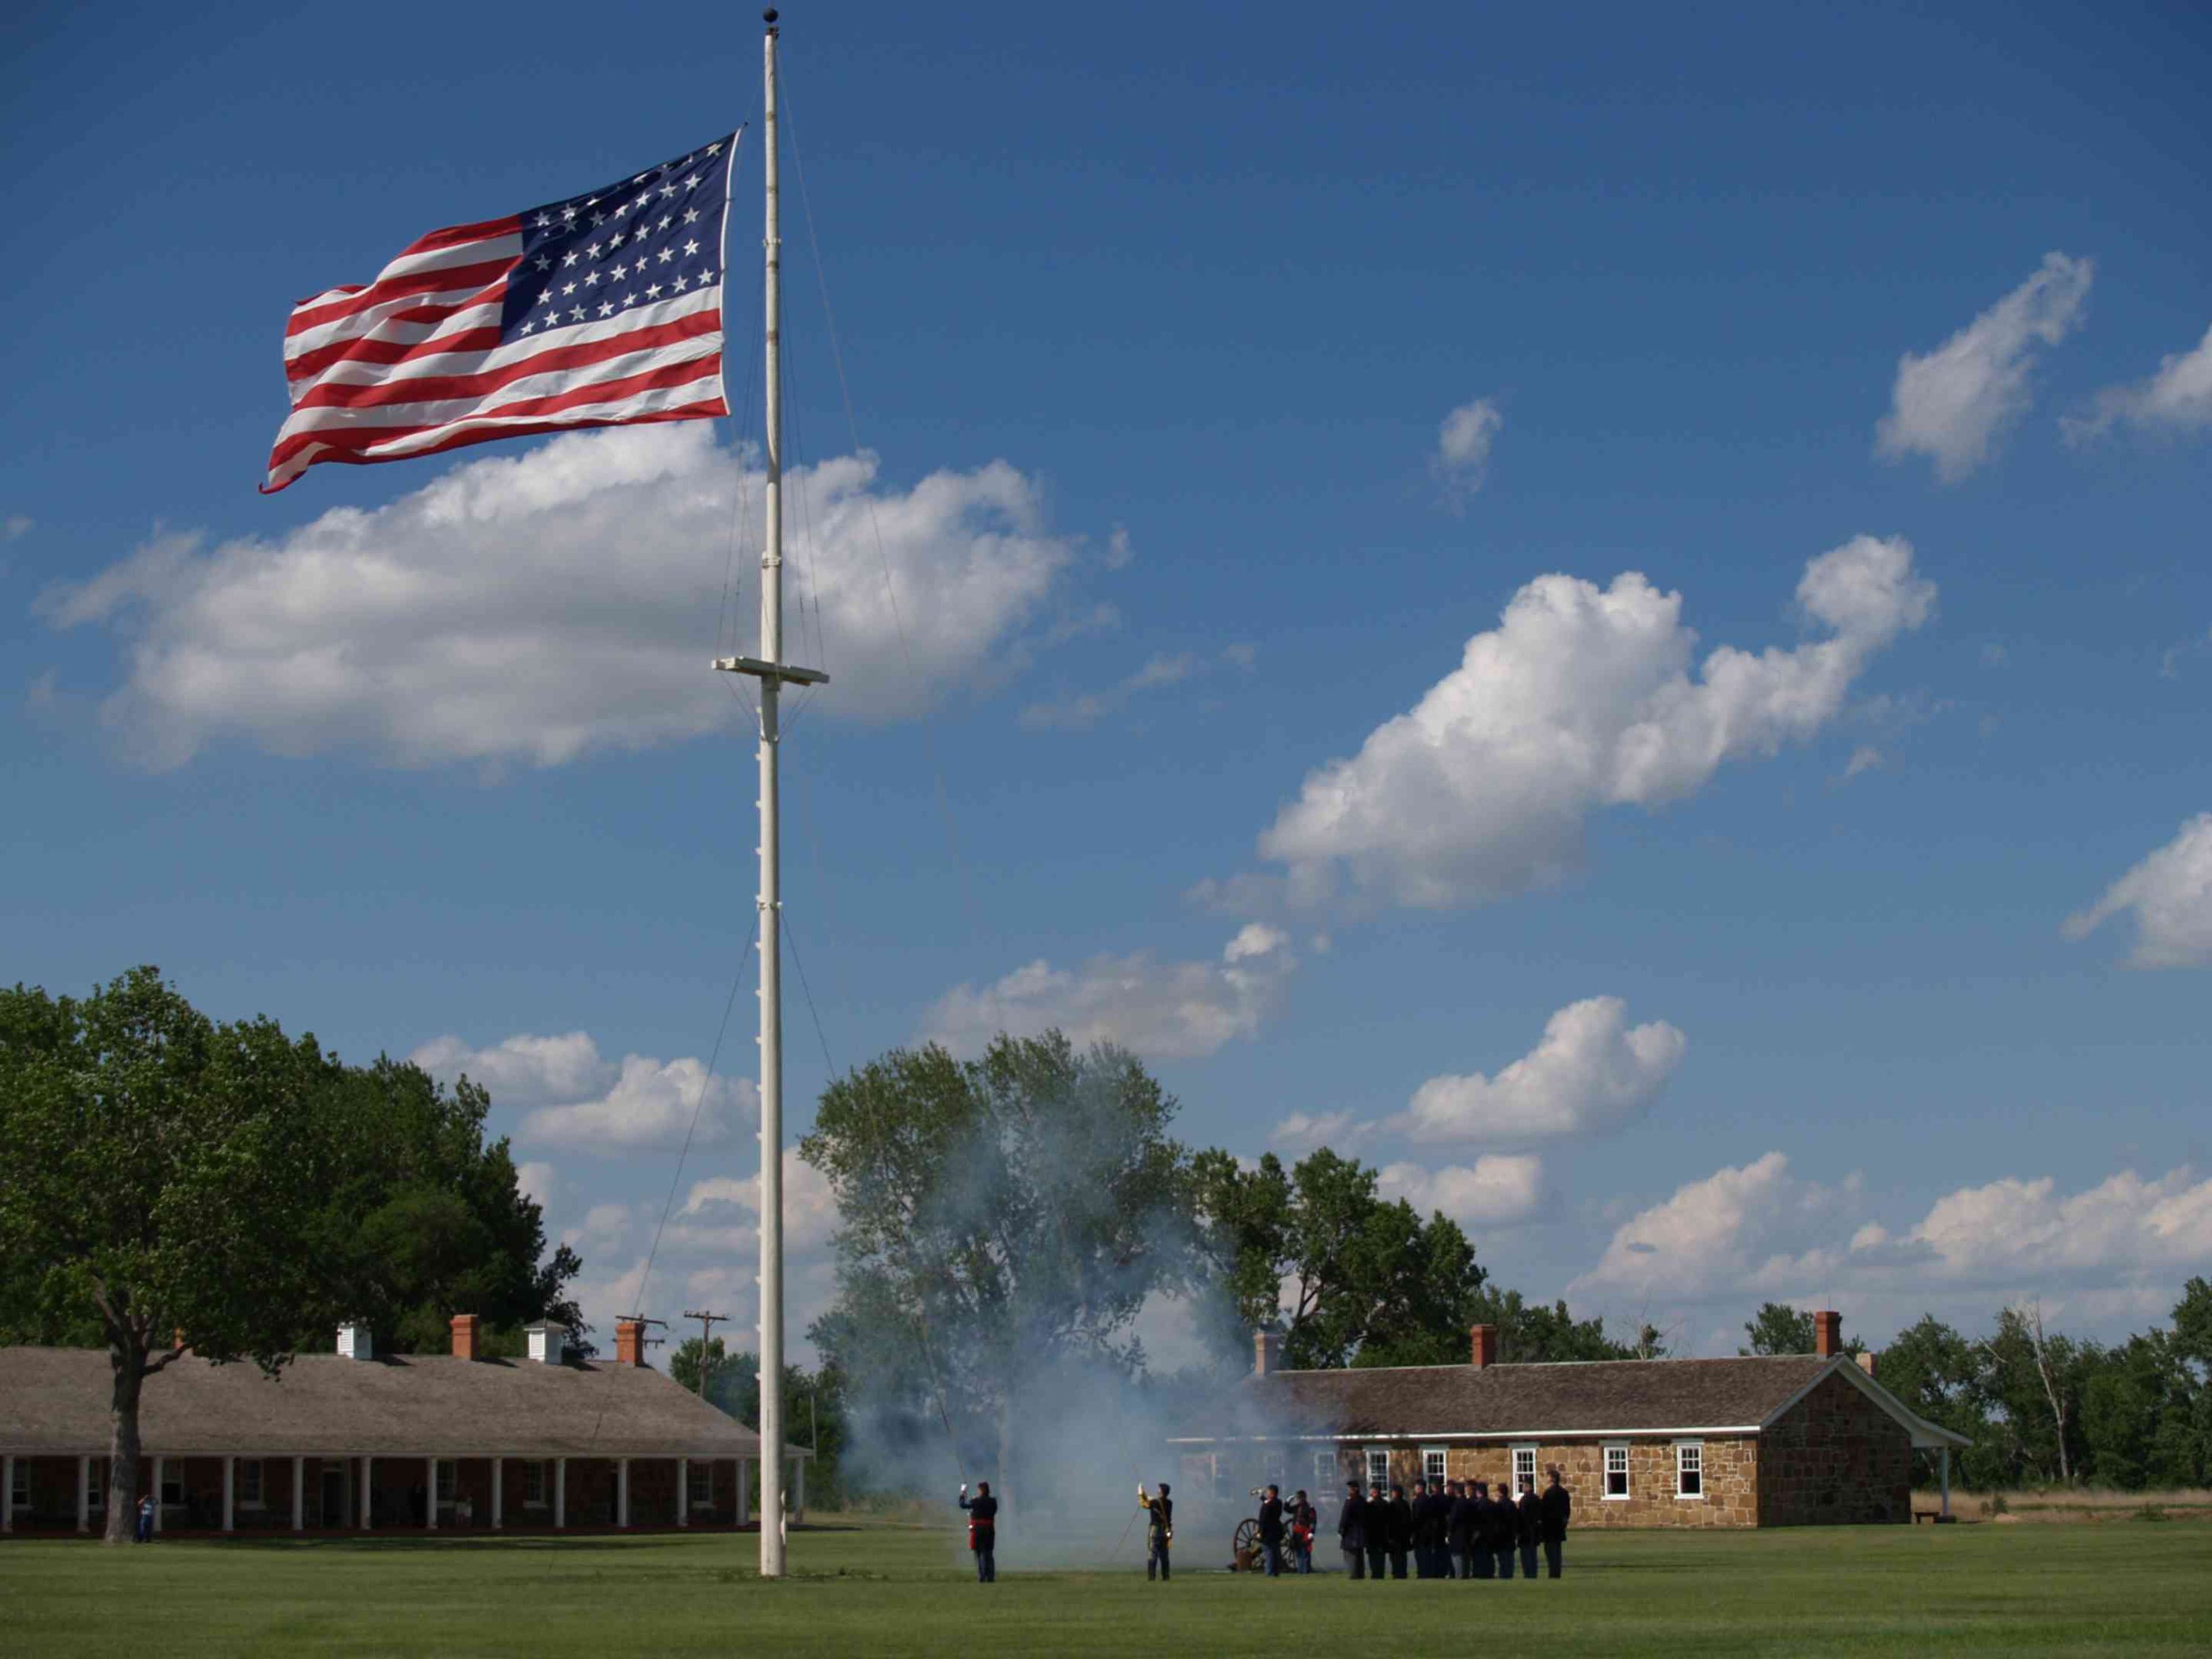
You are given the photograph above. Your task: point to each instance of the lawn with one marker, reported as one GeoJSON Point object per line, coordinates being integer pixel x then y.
{"type": "Point", "coordinates": [878, 1588]}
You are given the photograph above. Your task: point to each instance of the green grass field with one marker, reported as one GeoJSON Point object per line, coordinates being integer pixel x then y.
{"type": "Point", "coordinates": [878, 1588]}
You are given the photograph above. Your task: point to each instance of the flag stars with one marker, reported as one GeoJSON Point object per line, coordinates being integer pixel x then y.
{"type": "Point", "coordinates": [577, 312]}
{"type": "Point", "coordinates": [690, 247]}
{"type": "Point", "coordinates": [667, 220]}
{"type": "Point", "coordinates": [667, 254]}
{"type": "Point", "coordinates": [607, 310]}
{"type": "Point", "coordinates": [621, 271]}
{"type": "Point", "coordinates": [692, 183]}
{"type": "Point", "coordinates": [545, 222]}
{"type": "Point", "coordinates": [544, 263]}
{"type": "Point", "coordinates": [567, 259]}
{"type": "Point", "coordinates": [594, 250]}
{"type": "Point", "coordinates": [568, 215]}
{"type": "Point", "coordinates": [690, 215]}
{"type": "Point", "coordinates": [652, 293]}
{"type": "Point", "coordinates": [571, 288]}
{"type": "Point", "coordinates": [615, 240]}
{"type": "Point", "coordinates": [592, 281]}
{"type": "Point", "coordinates": [681, 280]}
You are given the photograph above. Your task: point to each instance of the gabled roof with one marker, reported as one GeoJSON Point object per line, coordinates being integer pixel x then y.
{"type": "Point", "coordinates": [1601, 1397]}
{"type": "Point", "coordinates": [56, 1401]}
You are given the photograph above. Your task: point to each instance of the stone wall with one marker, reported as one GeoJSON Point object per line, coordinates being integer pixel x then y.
{"type": "Point", "coordinates": [1837, 1458]}
{"type": "Point", "coordinates": [1731, 1480]}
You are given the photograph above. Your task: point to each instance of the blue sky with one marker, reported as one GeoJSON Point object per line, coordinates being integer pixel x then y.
{"type": "Point", "coordinates": [1222, 374]}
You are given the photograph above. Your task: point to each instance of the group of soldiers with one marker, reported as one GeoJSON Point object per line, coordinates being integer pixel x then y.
{"type": "Point", "coordinates": [1453, 1530]}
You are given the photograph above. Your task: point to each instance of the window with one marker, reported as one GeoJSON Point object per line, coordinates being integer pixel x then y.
{"type": "Point", "coordinates": [96, 1481]}
{"type": "Point", "coordinates": [446, 1471]}
{"type": "Point", "coordinates": [1432, 1463]}
{"type": "Point", "coordinates": [1616, 1470]}
{"type": "Point", "coordinates": [172, 1484]}
{"type": "Point", "coordinates": [533, 1486]}
{"type": "Point", "coordinates": [700, 1478]}
{"type": "Point", "coordinates": [1378, 1466]}
{"type": "Point", "coordinates": [1524, 1468]}
{"type": "Point", "coordinates": [1689, 1468]}
{"type": "Point", "coordinates": [19, 1487]}
{"type": "Point", "coordinates": [1325, 1477]}
{"type": "Point", "coordinates": [1272, 1469]}
{"type": "Point", "coordinates": [249, 1483]}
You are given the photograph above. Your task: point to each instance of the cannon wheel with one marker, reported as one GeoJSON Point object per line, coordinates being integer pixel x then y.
{"type": "Point", "coordinates": [1245, 1544]}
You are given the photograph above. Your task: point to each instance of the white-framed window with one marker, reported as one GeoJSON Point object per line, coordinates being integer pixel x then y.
{"type": "Point", "coordinates": [700, 1477]}
{"type": "Point", "coordinates": [1273, 1468]}
{"type": "Point", "coordinates": [19, 1486]}
{"type": "Point", "coordinates": [534, 1485]}
{"type": "Point", "coordinates": [447, 1472]}
{"type": "Point", "coordinates": [1616, 1469]}
{"type": "Point", "coordinates": [1325, 1476]}
{"type": "Point", "coordinates": [1432, 1463]}
{"type": "Point", "coordinates": [1689, 1468]}
{"type": "Point", "coordinates": [248, 1489]}
{"type": "Point", "coordinates": [1524, 1469]}
{"type": "Point", "coordinates": [1378, 1466]}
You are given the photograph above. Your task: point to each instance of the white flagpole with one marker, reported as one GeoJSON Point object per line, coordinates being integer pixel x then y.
{"type": "Point", "coordinates": [771, 875]}
{"type": "Point", "coordinates": [773, 673]}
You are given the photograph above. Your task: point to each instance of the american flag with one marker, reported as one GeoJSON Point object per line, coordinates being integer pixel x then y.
{"type": "Point", "coordinates": [602, 310]}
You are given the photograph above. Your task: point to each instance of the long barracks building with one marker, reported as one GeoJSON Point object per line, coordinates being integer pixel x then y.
{"type": "Point", "coordinates": [1791, 1440]}
{"type": "Point", "coordinates": [357, 1442]}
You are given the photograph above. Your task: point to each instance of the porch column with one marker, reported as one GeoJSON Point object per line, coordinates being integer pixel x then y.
{"type": "Point", "coordinates": [84, 1494]}
{"type": "Point", "coordinates": [229, 1490]}
{"type": "Point", "coordinates": [682, 1491]}
{"type": "Point", "coordinates": [160, 1478]}
{"type": "Point", "coordinates": [560, 1493]}
{"type": "Point", "coordinates": [621, 1491]}
{"type": "Point", "coordinates": [1946, 1483]}
{"type": "Point", "coordinates": [367, 1492]}
{"type": "Point", "coordinates": [744, 1494]}
{"type": "Point", "coordinates": [431, 1501]}
{"type": "Point", "coordinates": [498, 1492]}
{"type": "Point", "coordinates": [299, 1494]}
{"type": "Point", "coordinates": [8, 1492]}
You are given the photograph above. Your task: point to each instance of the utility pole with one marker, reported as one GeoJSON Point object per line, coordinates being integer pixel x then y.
{"type": "Point", "coordinates": [706, 1323]}
{"type": "Point", "coordinates": [773, 673]}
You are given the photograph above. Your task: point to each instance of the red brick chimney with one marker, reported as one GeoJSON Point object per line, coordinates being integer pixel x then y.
{"type": "Point", "coordinates": [1828, 1334]}
{"type": "Point", "coordinates": [1483, 1342]}
{"type": "Point", "coordinates": [464, 1336]}
{"type": "Point", "coordinates": [1266, 1352]}
{"type": "Point", "coordinates": [629, 1342]}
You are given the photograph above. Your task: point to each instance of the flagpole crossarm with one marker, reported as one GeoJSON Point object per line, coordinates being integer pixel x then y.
{"type": "Point", "coordinates": [771, 670]}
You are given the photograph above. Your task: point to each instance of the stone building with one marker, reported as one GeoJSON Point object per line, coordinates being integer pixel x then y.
{"type": "Point", "coordinates": [357, 1442]}
{"type": "Point", "coordinates": [1794, 1440]}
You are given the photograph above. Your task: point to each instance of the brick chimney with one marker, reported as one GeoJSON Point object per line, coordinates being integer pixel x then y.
{"type": "Point", "coordinates": [1828, 1334]}
{"type": "Point", "coordinates": [1866, 1361]}
{"type": "Point", "coordinates": [464, 1336]}
{"type": "Point", "coordinates": [1483, 1346]}
{"type": "Point", "coordinates": [629, 1342]}
{"type": "Point", "coordinates": [1266, 1352]}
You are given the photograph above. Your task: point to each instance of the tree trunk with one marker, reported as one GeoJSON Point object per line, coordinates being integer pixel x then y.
{"type": "Point", "coordinates": [129, 1376]}
{"type": "Point", "coordinates": [1006, 1447]}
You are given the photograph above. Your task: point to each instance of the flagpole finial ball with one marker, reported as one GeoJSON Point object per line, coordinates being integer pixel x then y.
{"type": "Point", "coordinates": [769, 16]}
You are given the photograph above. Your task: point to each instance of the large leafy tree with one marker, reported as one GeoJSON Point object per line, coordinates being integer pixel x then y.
{"type": "Point", "coordinates": [1003, 1219]}
{"type": "Point", "coordinates": [163, 1178]}
{"type": "Point", "coordinates": [1779, 1329]}
{"type": "Point", "coordinates": [1370, 1282]}
{"type": "Point", "coordinates": [814, 1415]}
{"type": "Point", "coordinates": [1530, 1334]}
{"type": "Point", "coordinates": [426, 1218]}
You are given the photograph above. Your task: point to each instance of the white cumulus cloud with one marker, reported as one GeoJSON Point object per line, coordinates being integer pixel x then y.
{"type": "Point", "coordinates": [1495, 1190]}
{"type": "Point", "coordinates": [809, 1207]}
{"type": "Point", "coordinates": [2177, 398]}
{"type": "Point", "coordinates": [580, 1099]}
{"type": "Point", "coordinates": [1953, 405]}
{"type": "Point", "coordinates": [1582, 698]}
{"type": "Point", "coordinates": [539, 606]}
{"type": "Point", "coordinates": [1592, 1073]}
{"type": "Point", "coordinates": [1462, 463]}
{"type": "Point", "coordinates": [2170, 893]}
{"type": "Point", "coordinates": [1158, 1010]}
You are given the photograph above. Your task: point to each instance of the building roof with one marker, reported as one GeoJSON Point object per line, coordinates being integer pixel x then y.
{"type": "Point", "coordinates": [56, 1401]}
{"type": "Point", "coordinates": [1549, 1401]}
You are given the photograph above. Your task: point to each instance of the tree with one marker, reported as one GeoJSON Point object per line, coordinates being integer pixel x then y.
{"type": "Point", "coordinates": [1533, 1335]}
{"type": "Point", "coordinates": [1001, 1218]}
{"type": "Point", "coordinates": [164, 1176]}
{"type": "Point", "coordinates": [1779, 1329]}
{"type": "Point", "coordinates": [426, 1220]}
{"type": "Point", "coordinates": [814, 1404]}
{"type": "Point", "coordinates": [1373, 1284]}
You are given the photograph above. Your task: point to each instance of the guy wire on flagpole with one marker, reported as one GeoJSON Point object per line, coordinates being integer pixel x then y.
{"type": "Point", "coordinates": [773, 673]}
